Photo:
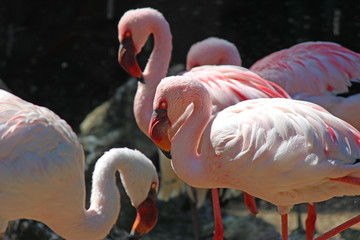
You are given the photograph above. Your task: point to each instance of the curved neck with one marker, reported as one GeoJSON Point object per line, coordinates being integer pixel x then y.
{"type": "Point", "coordinates": [190, 165]}
{"type": "Point", "coordinates": [155, 70]}
{"type": "Point", "coordinates": [97, 221]}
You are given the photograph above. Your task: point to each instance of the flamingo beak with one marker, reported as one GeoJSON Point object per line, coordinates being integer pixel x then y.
{"type": "Point", "coordinates": [127, 57]}
{"type": "Point", "coordinates": [159, 131]}
{"type": "Point", "coordinates": [146, 218]}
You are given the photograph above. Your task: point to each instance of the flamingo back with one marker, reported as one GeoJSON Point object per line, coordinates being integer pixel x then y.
{"type": "Point", "coordinates": [36, 146]}
{"type": "Point", "coordinates": [314, 68]}
{"type": "Point", "coordinates": [229, 85]}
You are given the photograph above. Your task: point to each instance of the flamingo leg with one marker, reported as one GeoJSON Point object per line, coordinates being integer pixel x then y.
{"type": "Point", "coordinates": [351, 222]}
{"type": "Point", "coordinates": [219, 231]}
{"type": "Point", "coordinates": [250, 203]}
{"type": "Point", "coordinates": [347, 179]}
{"type": "Point", "coordinates": [339, 228]}
{"type": "Point", "coordinates": [195, 219]}
{"type": "Point", "coordinates": [310, 221]}
{"type": "Point", "coordinates": [284, 226]}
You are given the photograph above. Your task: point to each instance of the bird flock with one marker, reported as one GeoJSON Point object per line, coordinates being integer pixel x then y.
{"type": "Point", "coordinates": [278, 131]}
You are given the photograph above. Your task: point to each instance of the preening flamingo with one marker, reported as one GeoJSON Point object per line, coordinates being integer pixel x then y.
{"type": "Point", "coordinates": [281, 150]}
{"type": "Point", "coordinates": [316, 72]}
{"type": "Point", "coordinates": [42, 176]}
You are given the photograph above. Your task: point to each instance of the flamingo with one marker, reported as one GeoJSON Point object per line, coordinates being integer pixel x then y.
{"type": "Point", "coordinates": [284, 151]}
{"type": "Point", "coordinates": [315, 63]}
{"type": "Point", "coordinates": [234, 84]}
{"type": "Point", "coordinates": [42, 176]}
{"type": "Point", "coordinates": [316, 72]}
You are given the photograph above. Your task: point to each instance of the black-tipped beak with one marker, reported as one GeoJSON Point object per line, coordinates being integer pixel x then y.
{"type": "Point", "coordinates": [132, 236]}
{"type": "Point", "coordinates": [159, 130]}
{"type": "Point", "coordinates": [146, 218]}
{"type": "Point", "coordinates": [166, 153]}
{"type": "Point", "coordinates": [127, 58]}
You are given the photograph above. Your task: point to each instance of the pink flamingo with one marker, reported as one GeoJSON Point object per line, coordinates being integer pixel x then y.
{"type": "Point", "coordinates": [230, 85]}
{"type": "Point", "coordinates": [42, 176]}
{"type": "Point", "coordinates": [316, 72]}
{"type": "Point", "coordinates": [328, 62]}
{"type": "Point", "coordinates": [281, 150]}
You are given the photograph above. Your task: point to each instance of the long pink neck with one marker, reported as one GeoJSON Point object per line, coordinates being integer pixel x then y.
{"type": "Point", "coordinates": [156, 69]}
{"type": "Point", "coordinates": [188, 164]}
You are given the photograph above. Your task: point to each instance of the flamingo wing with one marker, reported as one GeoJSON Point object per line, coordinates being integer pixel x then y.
{"type": "Point", "coordinates": [292, 144]}
{"type": "Point", "coordinates": [314, 68]}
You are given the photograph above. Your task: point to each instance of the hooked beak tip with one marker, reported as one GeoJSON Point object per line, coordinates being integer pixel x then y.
{"type": "Point", "coordinates": [134, 236]}
{"type": "Point", "coordinates": [166, 153]}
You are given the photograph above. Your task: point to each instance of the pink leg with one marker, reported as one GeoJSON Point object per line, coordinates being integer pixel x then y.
{"type": "Point", "coordinates": [350, 180]}
{"type": "Point", "coordinates": [310, 221]}
{"type": "Point", "coordinates": [284, 226]}
{"type": "Point", "coordinates": [345, 225]}
{"type": "Point", "coordinates": [339, 228]}
{"type": "Point", "coordinates": [250, 203]}
{"type": "Point", "coordinates": [219, 231]}
{"type": "Point", "coordinates": [195, 219]}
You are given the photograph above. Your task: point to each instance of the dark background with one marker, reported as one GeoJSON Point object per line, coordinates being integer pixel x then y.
{"type": "Point", "coordinates": [63, 54]}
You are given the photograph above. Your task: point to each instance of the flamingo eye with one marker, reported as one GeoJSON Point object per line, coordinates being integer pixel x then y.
{"type": "Point", "coordinates": [163, 105]}
{"type": "Point", "coordinates": [153, 185]}
{"type": "Point", "coordinates": [127, 34]}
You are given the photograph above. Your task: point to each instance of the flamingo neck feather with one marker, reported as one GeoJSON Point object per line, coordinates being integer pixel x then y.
{"type": "Point", "coordinates": [155, 70]}
{"type": "Point", "coordinates": [97, 221]}
{"type": "Point", "coordinates": [188, 163]}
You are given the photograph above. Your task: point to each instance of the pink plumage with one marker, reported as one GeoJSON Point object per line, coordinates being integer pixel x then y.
{"type": "Point", "coordinates": [316, 72]}
{"type": "Point", "coordinates": [281, 150]}
{"type": "Point", "coordinates": [311, 67]}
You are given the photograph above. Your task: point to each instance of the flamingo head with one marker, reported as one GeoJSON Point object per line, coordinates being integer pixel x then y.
{"type": "Point", "coordinates": [127, 55]}
{"type": "Point", "coordinates": [173, 104]}
{"type": "Point", "coordinates": [212, 51]}
{"type": "Point", "coordinates": [134, 29]}
{"type": "Point", "coordinates": [142, 192]}
{"type": "Point", "coordinates": [147, 215]}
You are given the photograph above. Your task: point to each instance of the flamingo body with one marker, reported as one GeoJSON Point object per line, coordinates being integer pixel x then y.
{"type": "Point", "coordinates": [296, 146]}
{"type": "Point", "coordinates": [311, 67]}
{"type": "Point", "coordinates": [316, 72]}
{"type": "Point", "coordinates": [42, 175]}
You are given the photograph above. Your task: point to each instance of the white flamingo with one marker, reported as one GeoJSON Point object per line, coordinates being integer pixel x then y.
{"type": "Point", "coordinates": [42, 176]}
{"type": "Point", "coordinates": [281, 150]}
